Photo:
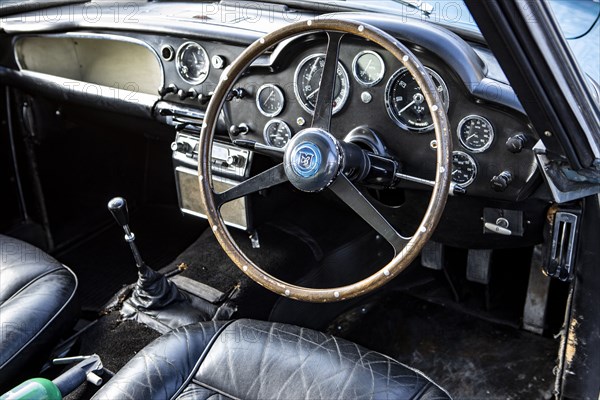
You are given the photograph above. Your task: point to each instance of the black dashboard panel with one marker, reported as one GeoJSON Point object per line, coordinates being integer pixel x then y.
{"type": "Point", "coordinates": [413, 150]}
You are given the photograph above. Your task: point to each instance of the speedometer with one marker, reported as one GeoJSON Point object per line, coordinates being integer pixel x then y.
{"type": "Point", "coordinates": [405, 101]}
{"type": "Point", "coordinates": [308, 80]}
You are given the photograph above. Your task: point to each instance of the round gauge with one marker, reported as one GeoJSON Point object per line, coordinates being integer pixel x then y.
{"type": "Point", "coordinates": [270, 100]}
{"type": "Point", "coordinates": [192, 63]}
{"type": "Point", "coordinates": [368, 68]}
{"type": "Point", "coordinates": [464, 168]}
{"type": "Point", "coordinates": [475, 133]}
{"type": "Point", "coordinates": [277, 133]}
{"type": "Point", "coordinates": [308, 80]}
{"type": "Point", "coordinates": [406, 103]}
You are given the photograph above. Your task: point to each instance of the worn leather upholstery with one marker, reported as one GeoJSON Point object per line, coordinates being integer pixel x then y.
{"type": "Point", "coordinates": [37, 304]}
{"type": "Point", "coordinates": [248, 359]}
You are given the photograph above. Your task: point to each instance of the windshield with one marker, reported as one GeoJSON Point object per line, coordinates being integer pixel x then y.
{"type": "Point", "coordinates": [578, 19]}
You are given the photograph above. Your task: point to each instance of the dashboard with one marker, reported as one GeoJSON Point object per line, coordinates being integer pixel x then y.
{"type": "Point", "coordinates": [377, 104]}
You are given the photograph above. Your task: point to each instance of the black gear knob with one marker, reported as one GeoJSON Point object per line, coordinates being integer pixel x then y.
{"type": "Point", "coordinates": [118, 209]}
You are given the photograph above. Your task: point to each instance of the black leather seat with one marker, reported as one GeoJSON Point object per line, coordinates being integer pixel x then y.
{"type": "Point", "coordinates": [248, 359]}
{"type": "Point", "coordinates": [37, 304]}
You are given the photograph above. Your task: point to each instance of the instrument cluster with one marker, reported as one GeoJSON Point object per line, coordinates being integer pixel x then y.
{"type": "Point", "coordinates": [403, 98]}
{"type": "Point", "coordinates": [375, 93]}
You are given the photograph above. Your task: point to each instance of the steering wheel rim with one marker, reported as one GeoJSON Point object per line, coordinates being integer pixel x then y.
{"type": "Point", "coordinates": [405, 255]}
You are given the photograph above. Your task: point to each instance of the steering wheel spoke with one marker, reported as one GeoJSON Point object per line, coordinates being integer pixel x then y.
{"type": "Point", "coordinates": [324, 105]}
{"type": "Point", "coordinates": [349, 194]}
{"type": "Point", "coordinates": [264, 180]}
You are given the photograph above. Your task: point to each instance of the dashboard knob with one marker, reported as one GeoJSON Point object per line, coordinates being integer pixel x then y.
{"type": "Point", "coordinates": [501, 181]}
{"type": "Point", "coordinates": [164, 90]}
{"type": "Point", "coordinates": [204, 98]}
{"type": "Point", "coordinates": [516, 143]}
{"type": "Point", "coordinates": [183, 94]}
{"type": "Point", "coordinates": [237, 93]}
{"type": "Point", "coordinates": [218, 62]}
{"type": "Point", "coordinates": [234, 161]}
{"type": "Point", "coordinates": [241, 129]}
{"type": "Point", "coordinates": [192, 94]}
{"type": "Point", "coordinates": [181, 147]}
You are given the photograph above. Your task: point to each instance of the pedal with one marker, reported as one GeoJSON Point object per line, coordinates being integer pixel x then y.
{"type": "Point", "coordinates": [479, 265]}
{"type": "Point", "coordinates": [538, 289]}
{"type": "Point", "coordinates": [432, 256]}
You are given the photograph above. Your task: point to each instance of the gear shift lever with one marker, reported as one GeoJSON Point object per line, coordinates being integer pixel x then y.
{"type": "Point", "coordinates": [152, 289]}
{"type": "Point", "coordinates": [118, 209]}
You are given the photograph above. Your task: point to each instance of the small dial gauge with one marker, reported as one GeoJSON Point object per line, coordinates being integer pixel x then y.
{"type": "Point", "coordinates": [308, 80]}
{"type": "Point", "coordinates": [475, 133]}
{"type": "Point", "coordinates": [277, 133]}
{"type": "Point", "coordinates": [464, 168]}
{"type": "Point", "coordinates": [406, 103]}
{"type": "Point", "coordinates": [270, 100]}
{"type": "Point", "coordinates": [368, 68]}
{"type": "Point", "coordinates": [192, 63]}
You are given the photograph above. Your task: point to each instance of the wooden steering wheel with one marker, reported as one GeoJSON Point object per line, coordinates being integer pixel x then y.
{"type": "Point", "coordinates": [314, 160]}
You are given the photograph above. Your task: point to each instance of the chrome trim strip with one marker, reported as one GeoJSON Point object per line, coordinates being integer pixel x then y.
{"type": "Point", "coordinates": [179, 110]}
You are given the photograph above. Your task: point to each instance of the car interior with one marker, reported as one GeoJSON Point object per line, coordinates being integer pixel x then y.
{"type": "Point", "coordinates": [264, 200]}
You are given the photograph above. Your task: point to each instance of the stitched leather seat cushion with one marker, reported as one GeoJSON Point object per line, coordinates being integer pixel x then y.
{"type": "Point", "coordinates": [248, 359]}
{"type": "Point", "coordinates": [37, 304]}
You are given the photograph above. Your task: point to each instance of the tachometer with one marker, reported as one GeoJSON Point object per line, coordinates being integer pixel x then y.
{"type": "Point", "coordinates": [308, 80]}
{"type": "Point", "coordinates": [464, 168]}
{"type": "Point", "coordinates": [475, 133]}
{"type": "Point", "coordinates": [406, 103]}
{"type": "Point", "coordinates": [368, 68]}
{"type": "Point", "coordinates": [192, 63]}
{"type": "Point", "coordinates": [277, 133]}
{"type": "Point", "coordinates": [270, 100]}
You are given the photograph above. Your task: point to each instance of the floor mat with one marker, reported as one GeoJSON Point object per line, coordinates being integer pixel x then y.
{"type": "Point", "coordinates": [471, 358]}
{"type": "Point", "coordinates": [281, 254]}
{"type": "Point", "coordinates": [116, 342]}
{"type": "Point", "coordinates": [104, 263]}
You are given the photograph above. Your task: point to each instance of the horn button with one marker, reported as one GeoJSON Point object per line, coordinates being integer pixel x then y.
{"type": "Point", "coordinates": [312, 160]}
